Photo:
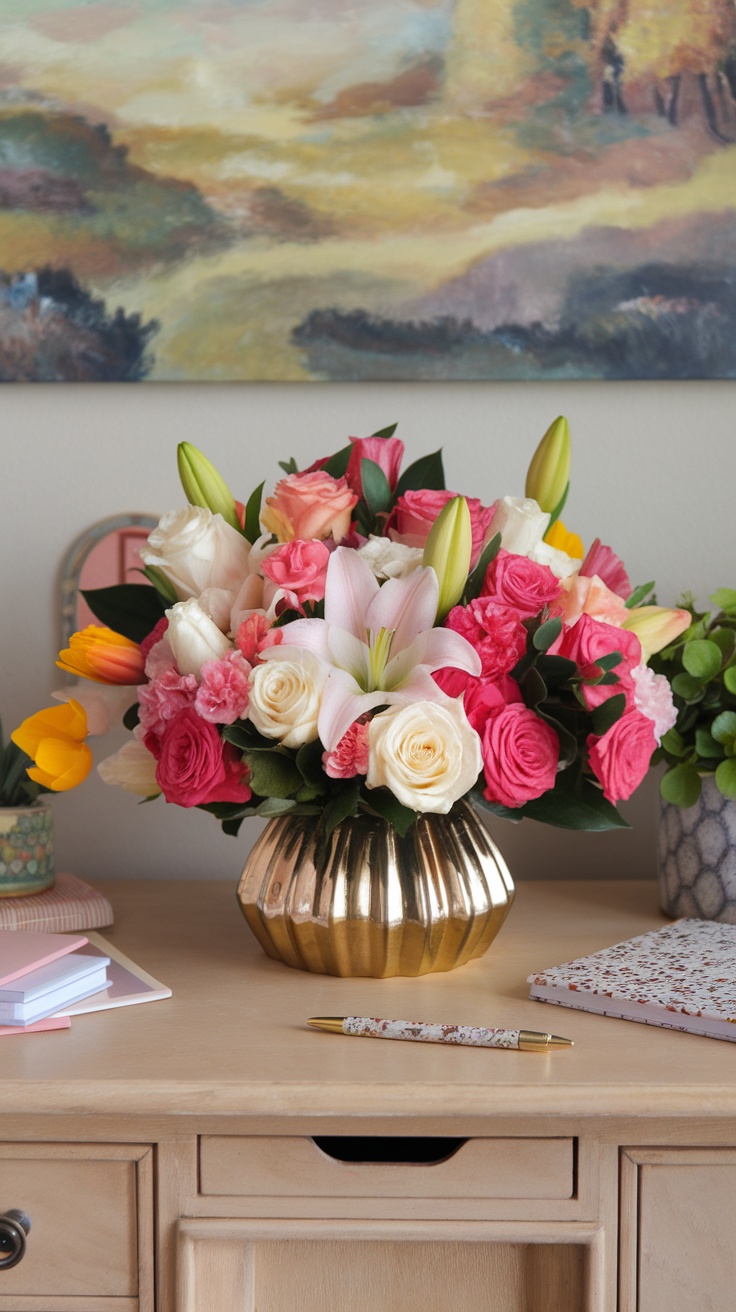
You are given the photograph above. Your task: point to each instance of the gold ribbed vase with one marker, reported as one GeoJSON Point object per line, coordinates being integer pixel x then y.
{"type": "Point", "coordinates": [372, 903]}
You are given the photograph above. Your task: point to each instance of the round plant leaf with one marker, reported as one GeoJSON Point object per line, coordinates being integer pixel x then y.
{"type": "Point", "coordinates": [723, 727]}
{"type": "Point", "coordinates": [702, 658]}
{"type": "Point", "coordinates": [681, 785]}
{"type": "Point", "coordinates": [726, 778]}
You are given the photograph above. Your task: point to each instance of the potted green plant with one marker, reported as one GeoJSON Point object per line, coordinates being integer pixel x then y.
{"type": "Point", "coordinates": [26, 827]}
{"type": "Point", "coordinates": [697, 834]}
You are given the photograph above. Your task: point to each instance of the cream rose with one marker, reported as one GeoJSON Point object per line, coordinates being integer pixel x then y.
{"type": "Point", "coordinates": [390, 560]}
{"type": "Point", "coordinates": [427, 753]}
{"type": "Point", "coordinates": [197, 550]}
{"type": "Point", "coordinates": [194, 638]}
{"type": "Point", "coordinates": [285, 695]}
{"type": "Point", "coordinates": [520, 522]}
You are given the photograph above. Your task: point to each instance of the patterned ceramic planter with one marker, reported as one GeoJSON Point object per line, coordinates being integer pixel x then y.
{"type": "Point", "coordinates": [26, 850]}
{"type": "Point", "coordinates": [697, 857]}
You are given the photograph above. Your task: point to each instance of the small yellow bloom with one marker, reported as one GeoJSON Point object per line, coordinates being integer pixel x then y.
{"type": "Point", "coordinates": [549, 470]}
{"type": "Point", "coordinates": [54, 739]}
{"type": "Point", "coordinates": [560, 537]}
{"type": "Point", "coordinates": [204, 486]}
{"type": "Point", "coordinates": [102, 655]}
{"type": "Point", "coordinates": [656, 626]}
{"type": "Point", "coordinates": [448, 550]}
{"type": "Point", "coordinates": [276, 522]}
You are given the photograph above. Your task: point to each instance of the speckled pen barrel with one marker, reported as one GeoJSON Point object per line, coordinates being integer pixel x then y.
{"type": "Point", "coordinates": [418, 1031]}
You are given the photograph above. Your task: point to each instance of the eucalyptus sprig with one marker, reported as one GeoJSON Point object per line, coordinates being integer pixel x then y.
{"type": "Point", "coordinates": [701, 669]}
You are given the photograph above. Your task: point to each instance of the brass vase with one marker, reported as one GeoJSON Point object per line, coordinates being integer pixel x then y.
{"type": "Point", "coordinates": [372, 903]}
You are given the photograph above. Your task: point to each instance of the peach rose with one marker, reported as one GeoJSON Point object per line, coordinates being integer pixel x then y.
{"type": "Point", "coordinates": [308, 506]}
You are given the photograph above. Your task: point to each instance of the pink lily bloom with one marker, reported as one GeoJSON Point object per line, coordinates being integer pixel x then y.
{"type": "Point", "coordinates": [378, 642]}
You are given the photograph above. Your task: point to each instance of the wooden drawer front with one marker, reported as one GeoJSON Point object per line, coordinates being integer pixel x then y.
{"type": "Point", "coordinates": [297, 1168]}
{"type": "Point", "coordinates": [91, 1213]}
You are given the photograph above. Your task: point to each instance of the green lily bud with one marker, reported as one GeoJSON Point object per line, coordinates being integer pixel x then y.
{"type": "Point", "coordinates": [448, 550]}
{"type": "Point", "coordinates": [549, 471]}
{"type": "Point", "coordinates": [203, 485]}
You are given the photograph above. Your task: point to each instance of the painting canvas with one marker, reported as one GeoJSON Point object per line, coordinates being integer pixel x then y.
{"type": "Point", "coordinates": [367, 189]}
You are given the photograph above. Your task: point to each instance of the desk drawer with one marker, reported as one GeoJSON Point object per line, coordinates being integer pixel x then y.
{"type": "Point", "coordinates": [299, 1168]}
{"type": "Point", "coordinates": [91, 1213]}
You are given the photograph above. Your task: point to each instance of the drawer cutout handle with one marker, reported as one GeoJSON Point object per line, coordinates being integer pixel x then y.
{"type": "Point", "coordinates": [14, 1226]}
{"type": "Point", "coordinates": [393, 1149]}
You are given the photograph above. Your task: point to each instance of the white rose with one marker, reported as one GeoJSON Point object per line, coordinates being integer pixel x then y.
{"type": "Point", "coordinates": [427, 753]}
{"type": "Point", "coordinates": [390, 560]}
{"type": "Point", "coordinates": [197, 550]}
{"type": "Point", "coordinates": [193, 637]}
{"type": "Point", "coordinates": [132, 768]}
{"type": "Point", "coordinates": [520, 522]}
{"type": "Point", "coordinates": [285, 695]}
{"type": "Point", "coordinates": [562, 565]}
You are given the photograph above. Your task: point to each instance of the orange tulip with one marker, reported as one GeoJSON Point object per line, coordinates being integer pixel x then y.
{"type": "Point", "coordinates": [103, 655]}
{"type": "Point", "coordinates": [54, 739]}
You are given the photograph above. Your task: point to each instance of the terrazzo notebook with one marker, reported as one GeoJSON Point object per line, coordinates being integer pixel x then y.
{"type": "Point", "coordinates": [682, 977]}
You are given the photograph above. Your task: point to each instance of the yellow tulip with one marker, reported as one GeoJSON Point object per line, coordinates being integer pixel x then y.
{"type": "Point", "coordinates": [448, 550]}
{"type": "Point", "coordinates": [560, 537]}
{"type": "Point", "coordinates": [203, 485]}
{"type": "Point", "coordinates": [54, 739]}
{"type": "Point", "coordinates": [549, 471]}
{"type": "Point", "coordinates": [656, 626]}
{"type": "Point", "coordinates": [102, 655]}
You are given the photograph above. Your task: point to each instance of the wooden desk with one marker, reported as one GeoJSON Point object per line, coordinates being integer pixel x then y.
{"type": "Point", "coordinates": [165, 1152]}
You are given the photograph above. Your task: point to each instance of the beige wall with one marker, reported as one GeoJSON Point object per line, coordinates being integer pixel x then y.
{"type": "Point", "coordinates": [654, 472]}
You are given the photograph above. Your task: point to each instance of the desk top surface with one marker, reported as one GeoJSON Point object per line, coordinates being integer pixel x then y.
{"type": "Point", "coordinates": [233, 1039]}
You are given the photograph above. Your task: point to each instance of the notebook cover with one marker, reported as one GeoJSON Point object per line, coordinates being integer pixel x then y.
{"type": "Point", "coordinates": [129, 983]}
{"type": "Point", "coordinates": [50, 1023]}
{"type": "Point", "coordinates": [682, 976]}
{"type": "Point", "coordinates": [24, 950]}
{"type": "Point", "coordinates": [69, 904]}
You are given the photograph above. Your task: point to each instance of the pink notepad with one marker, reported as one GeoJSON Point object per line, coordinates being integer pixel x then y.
{"type": "Point", "coordinates": [23, 950]}
{"type": "Point", "coordinates": [50, 1023]}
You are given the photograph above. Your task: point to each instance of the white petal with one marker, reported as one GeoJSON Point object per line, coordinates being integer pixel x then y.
{"type": "Point", "coordinates": [312, 635]}
{"type": "Point", "coordinates": [349, 591]}
{"type": "Point", "coordinates": [436, 650]}
{"type": "Point", "coordinates": [408, 606]}
{"type": "Point", "coordinates": [349, 653]}
{"type": "Point", "coordinates": [340, 706]}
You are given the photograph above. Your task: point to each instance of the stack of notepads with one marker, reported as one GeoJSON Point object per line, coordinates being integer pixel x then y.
{"type": "Point", "coordinates": [44, 979]}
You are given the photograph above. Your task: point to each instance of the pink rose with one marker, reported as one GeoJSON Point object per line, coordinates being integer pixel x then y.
{"type": "Point", "coordinates": [350, 757]}
{"type": "Point", "coordinates": [620, 758]}
{"type": "Point", "coordinates": [604, 562]}
{"type": "Point", "coordinates": [310, 506]}
{"type": "Point", "coordinates": [300, 570]}
{"type": "Point", "coordinates": [224, 691]}
{"type": "Point", "coordinates": [164, 697]}
{"type": "Point", "coordinates": [254, 635]}
{"type": "Point", "coordinates": [522, 583]}
{"type": "Point", "coordinates": [194, 765]}
{"type": "Point", "coordinates": [484, 696]}
{"type": "Point", "coordinates": [386, 452]}
{"type": "Point", "coordinates": [585, 643]}
{"type": "Point", "coordinates": [495, 631]}
{"type": "Point", "coordinates": [415, 513]}
{"type": "Point", "coordinates": [520, 755]}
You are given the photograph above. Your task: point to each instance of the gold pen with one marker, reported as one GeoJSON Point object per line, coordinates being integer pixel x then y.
{"type": "Point", "coordinates": [420, 1031]}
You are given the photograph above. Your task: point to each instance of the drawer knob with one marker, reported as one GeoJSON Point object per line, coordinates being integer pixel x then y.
{"type": "Point", "coordinates": [14, 1226]}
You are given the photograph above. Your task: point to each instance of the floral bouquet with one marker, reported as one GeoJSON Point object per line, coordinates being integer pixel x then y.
{"type": "Point", "coordinates": [365, 640]}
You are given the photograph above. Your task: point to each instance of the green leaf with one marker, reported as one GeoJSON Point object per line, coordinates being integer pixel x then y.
{"type": "Point", "coordinates": [309, 793]}
{"type": "Point", "coordinates": [723, 727]}
{"type": "Point", "coordinates": [477, 578]}
{"type": "Point", "coordinates": [337, 464]}
{"type": "Point", "coordinates": [606, 680]}
{"type": "Point", "coordinates": [309, 763]}
{"type": "Point", "coordinates": [546, 634]}
{"type": "Point", "coordinates": [726, 778]}
{"type": "Point", "coordinates": [386, 432]}
{"type": "Point", "coordinates": [426, 472]}
{"type": "Point", "coordinates": [275, 806]}
{"type": "Point", "coordinates": [289, 466]}
{"type": "Point", "coordinates": [252, 528]}
{"type": "Point", "coordinates": [128, 608]}
{"type": "Point", "coordinates": [729, 679]}
{"type": "Point", "coordinates": [702, 658]}
{"type": "Point", "coordinates": [560, 506]}
{"type": "Point", "coordinates": [706, 745]}
{"type": "Point", "coordinates": [725, 599]}
{"type": "Point", "coordinates": [725, 639]}
{"type": "Point", "coordinates": [382, 801]}
{"type": "Point", "coordinates": [639, 595]}
{"type": "Point", "coordinates": [568, 741]}
{"type": "Point", "coordinates": [673, 743]}
{"type": "Point", "coordinates": [246, 737]}
{"type": "Point", "coordinates": [164, 588]}
{"type": "Point", "coordinates": [231, 827]}
{"type": "Point", "coordinates": [609, 661]}
{"type": "Point", "coordinates": [556, 670]}
{"type": "Point", "coordinates": [272, 774]}
{"type": "Point", "coordinates": [681, 785]}
{"type": "Point", "coordinates": [575, 803]}
{"type": "Point", "coordinates": [686, 686]}
{"type": "Point", "coordinates": [376, 490]}
{"type": "Point", "coordinates": [533, 687]}
{"type": "Point", "coordinates": [609, 711]}
{"type": "Point", "coordinates": [132, 717]}
{"type": "Point", "coordinates": [340, 807]}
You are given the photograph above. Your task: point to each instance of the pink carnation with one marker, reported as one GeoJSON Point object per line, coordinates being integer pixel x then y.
{"type": "Point", "coordinates": [653, 697]}
{"type": "Point", "coordinates": [161, 700]}
{"type": "Point", "coordinates": [520, 755]}
{"type": "Point", "coordinates": [494, 630]}
{"type": "Point", "coordinates": [620, 758]}
{"type": "Point", "coordinates": [195, 767]}
{"type": "Point", "coordinates": [254, 635]}
{"type": "Point", "coordinates": [585, 643]}
{"type": "Point", "coordinates": [224, 691]}
{"type": "Point", "coordinates": [350, 757]}
{"type": "Point", "coordinates": [300, 569]}
{"type": "Point", "coordinates": [521, 583]}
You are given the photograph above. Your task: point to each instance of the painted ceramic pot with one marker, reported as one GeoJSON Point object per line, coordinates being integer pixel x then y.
{"type": "Point", "coordinates": [369, 903]}
{"type": "Point", "coordinates": [26, 849]}
{"type": "Point", "coordinates": [697, 857]}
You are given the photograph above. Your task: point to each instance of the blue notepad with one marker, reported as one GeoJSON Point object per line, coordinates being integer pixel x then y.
{"type": "Point", "coordinates": [41, 992]}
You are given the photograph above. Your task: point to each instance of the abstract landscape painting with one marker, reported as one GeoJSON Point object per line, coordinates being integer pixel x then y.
{"type": "Point", "coordinates": [318, 190]}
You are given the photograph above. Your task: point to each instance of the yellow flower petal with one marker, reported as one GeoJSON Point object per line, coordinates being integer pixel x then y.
{"type": "Point", "coordinates": [63, 764]}
{"type": "Point", "coordinates": [102, 655]}
{"type": "Point", "coordinates": [562, 539]}
{"type": "Point", "coordinates": [66, 721]}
